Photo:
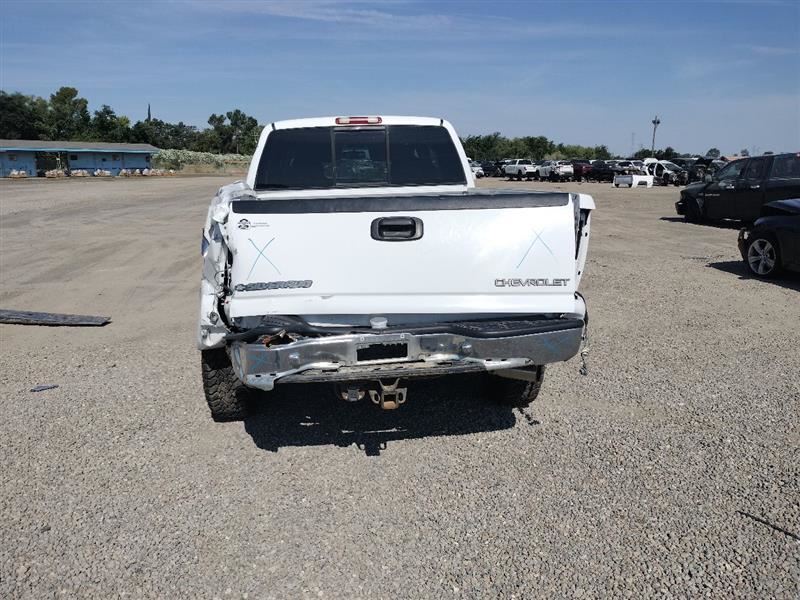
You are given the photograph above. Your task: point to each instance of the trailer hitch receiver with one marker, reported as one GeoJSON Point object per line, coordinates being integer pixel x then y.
{"type": "Point", "coordinates": [388, 397]}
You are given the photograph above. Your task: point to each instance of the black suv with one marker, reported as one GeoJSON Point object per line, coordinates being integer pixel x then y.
{"type": "Point", "coordinates": [490, 168]}
{"type": "Point", "coordinates": [741, 188]}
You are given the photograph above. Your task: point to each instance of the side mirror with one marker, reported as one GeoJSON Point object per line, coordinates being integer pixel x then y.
{"type": "Point", "coordinates": [708, 178]}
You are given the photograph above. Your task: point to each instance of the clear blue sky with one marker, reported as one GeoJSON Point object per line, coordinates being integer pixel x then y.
{"type": "Point", "coordinates": [723, 74]}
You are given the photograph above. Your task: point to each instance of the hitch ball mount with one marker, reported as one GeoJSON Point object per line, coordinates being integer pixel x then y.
{"type": "Point", "coordinates": [387, 396]}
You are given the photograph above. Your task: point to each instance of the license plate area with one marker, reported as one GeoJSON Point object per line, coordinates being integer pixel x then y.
{"type": "Point", "coordinates": [382, 351]}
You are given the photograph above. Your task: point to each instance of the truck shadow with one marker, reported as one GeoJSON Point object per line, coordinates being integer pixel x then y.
{"type": "Point", "coordinates": [310, 415]}
{"type": "Point", "coordinates": [787, 280]}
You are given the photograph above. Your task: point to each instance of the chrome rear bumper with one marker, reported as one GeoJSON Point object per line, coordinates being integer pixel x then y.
{"type": "Point", "coordinates": [399, 354]}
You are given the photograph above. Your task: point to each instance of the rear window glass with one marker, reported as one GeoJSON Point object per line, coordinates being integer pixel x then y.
{"type": "Point", "coordinates": [328, 157]}
{"type": "Point", "coordinates": [786, 166]}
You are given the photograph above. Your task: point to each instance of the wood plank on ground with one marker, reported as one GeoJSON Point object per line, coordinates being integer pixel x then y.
{"type": "Point", "coordinates": [25, 317]}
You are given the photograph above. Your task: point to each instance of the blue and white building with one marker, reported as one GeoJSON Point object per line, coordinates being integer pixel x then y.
{"type": "Point", "coordinates": [36, 156]}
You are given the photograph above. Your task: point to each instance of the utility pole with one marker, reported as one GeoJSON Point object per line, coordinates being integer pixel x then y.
{"type": "Point", "coordinates": [656, 122]}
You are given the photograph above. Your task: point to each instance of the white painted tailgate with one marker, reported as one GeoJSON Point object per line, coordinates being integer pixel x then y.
{"type": "Point", "coordinates": [453, 268]}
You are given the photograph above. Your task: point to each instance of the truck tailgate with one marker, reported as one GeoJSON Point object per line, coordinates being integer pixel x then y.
{"type": "Point", "coordinates": [483, 252]}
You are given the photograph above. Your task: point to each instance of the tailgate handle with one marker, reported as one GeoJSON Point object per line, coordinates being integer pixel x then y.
{"type": "Point", "coordinates": [396, 229]}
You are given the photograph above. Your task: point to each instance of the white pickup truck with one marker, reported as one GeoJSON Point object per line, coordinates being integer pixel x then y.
{"type": "Point", "coordinates": [520, 168]}
{"type": "Point", "coordinates": [359, 252]}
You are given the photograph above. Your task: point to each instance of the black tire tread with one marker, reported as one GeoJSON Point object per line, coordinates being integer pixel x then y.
{"type": "Point", "coordinates": [227, 397]}
{"type": "Point", "coordinates": [692, 213]}
{"type": "Point", "coordinates": [514, 392]}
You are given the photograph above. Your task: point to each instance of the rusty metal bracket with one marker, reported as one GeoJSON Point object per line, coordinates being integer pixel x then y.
{"type": "Point", "coordinates": [389, 397]}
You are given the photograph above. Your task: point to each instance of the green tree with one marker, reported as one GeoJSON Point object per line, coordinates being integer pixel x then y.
{"type": "Point", "coordinates": [484, 147]}
{"type": "Point", "coordinates": [162, 134]}
{"type": "Point", "coordinates": [668, 153]}
{"type": "Point", "coordinates": [221, 135]}
{"type": "Point", "coordinates": [22, 117]}
{"type": "Point", "coordinates": [714, 153]}
{"type": "Point", "coordinates": [601, 152]}
{"type": "Point", "coordinates": [68, 118]}
{"type": "Point", "coordinates": [245, 132]}
{"type": "Point", "coordinates": [537, 147]}
{"type": "Point", "coordinates": [106, 126]}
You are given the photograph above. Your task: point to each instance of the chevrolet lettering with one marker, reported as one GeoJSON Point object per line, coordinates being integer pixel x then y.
{"type": "Point", "coordinates": [515, 282]}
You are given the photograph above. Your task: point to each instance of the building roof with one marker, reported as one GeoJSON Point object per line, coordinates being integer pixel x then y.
{"type": "Point", "coordinates": [59, 146]}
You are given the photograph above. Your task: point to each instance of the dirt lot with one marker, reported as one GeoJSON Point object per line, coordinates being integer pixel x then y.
{"type": "Point", "coordinates": [672, 469]}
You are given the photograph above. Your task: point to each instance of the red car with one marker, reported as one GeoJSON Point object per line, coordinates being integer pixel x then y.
{"type": "Point", "coordinates": [581, 169]}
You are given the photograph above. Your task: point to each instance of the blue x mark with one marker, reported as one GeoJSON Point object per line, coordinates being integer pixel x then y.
{"type": "Point", "coordinates": [538, 238]}
{"type": "Point", "coordinates": [261, 255]}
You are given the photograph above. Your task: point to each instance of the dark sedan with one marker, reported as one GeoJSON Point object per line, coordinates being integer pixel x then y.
{"type": "Point", "coordinates": [772, 244]}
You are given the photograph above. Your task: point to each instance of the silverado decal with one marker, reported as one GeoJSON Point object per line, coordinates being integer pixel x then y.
{"type": "Point", "coordinates": [273, 285]}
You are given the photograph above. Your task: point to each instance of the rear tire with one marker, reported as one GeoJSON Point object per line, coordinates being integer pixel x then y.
{"type": "Point", "coordinates": [514, 392]}
{"type": "Point", "coordinates": [228, 398]}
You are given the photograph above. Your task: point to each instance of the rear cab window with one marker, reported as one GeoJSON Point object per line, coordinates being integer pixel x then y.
{"type": "Point", "coordinates": [347, 157]}
{"type": "Point", "coordinates": [786, 166]}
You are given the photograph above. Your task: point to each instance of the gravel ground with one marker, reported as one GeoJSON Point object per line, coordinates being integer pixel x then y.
{"type": "Point", "coordinates": [670, 470]}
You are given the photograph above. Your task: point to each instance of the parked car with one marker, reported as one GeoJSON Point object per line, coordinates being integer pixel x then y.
{"type": "Point", "coordinates": [665, 172]}
{"type": "Point", "coordinates": [489, 167]}
{"type": "Point", "coordinates": [602, 171]}
{"type": "Point", "coordinates": [430, 276]}
{"type": "Point", "coordinates": [704, 166]}
{"type": "Point", "coordinates": [627, 166]}
{"type": "Point", "coordinates": [772, 244]}
{"type": "Point", "coordinates": [477, 170]}
{"type": "Point", "coordinates": [684, 163]}
{"type": "Point", "coordinates": [581, 169]}
{"type": "Point", "coordinates": [741, 188]}
{"type": "Point", "coordinates": [520, 168]}
{"type": "Point", "coordinates": [555, 170]}
{"type": "Point", "coordinates": [537, 164]}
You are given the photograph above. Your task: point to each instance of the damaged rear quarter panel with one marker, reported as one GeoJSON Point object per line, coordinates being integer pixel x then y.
{"type": "Point", "coordinates": [212, 329]}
